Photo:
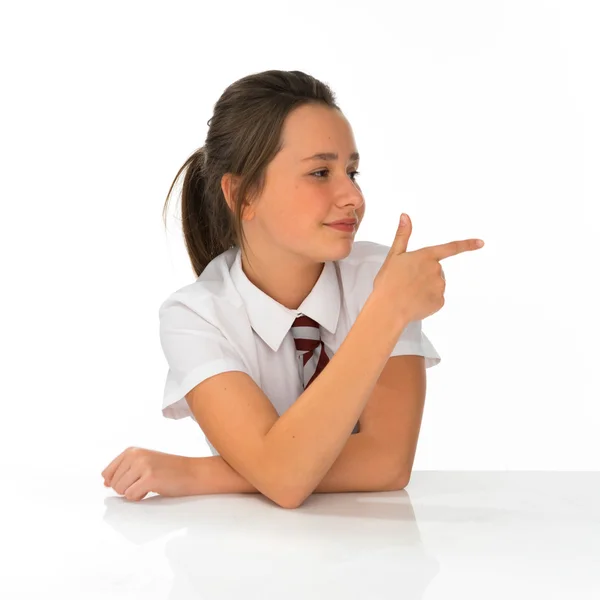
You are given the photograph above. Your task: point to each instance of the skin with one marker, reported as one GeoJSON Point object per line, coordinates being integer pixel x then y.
{"type": "Point", "coordinates": [285, 227]}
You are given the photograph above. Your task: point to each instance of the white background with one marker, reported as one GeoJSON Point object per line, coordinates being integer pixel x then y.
{"type": "Point", "coordinates": [478, 119]}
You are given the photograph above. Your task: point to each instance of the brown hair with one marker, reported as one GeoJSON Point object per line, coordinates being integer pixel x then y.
{"type": "Point", "coordinates": [244, 135]}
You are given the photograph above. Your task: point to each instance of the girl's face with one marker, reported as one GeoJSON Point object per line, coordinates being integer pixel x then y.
{"type": "Point", "coordinates": [301, 193]}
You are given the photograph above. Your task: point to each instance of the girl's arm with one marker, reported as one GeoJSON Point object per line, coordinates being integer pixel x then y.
{"type": "Point", "coordinates": [286, 457]}
{"type": "Point", "coordinates": [361, 467]}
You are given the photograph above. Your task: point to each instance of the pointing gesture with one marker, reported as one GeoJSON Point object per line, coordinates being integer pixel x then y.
{"type": "Point", "coordinates": [414, 281]}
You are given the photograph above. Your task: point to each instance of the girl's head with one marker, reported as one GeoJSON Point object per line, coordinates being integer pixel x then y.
{"type": "Point", "coordinates": [253, 184]}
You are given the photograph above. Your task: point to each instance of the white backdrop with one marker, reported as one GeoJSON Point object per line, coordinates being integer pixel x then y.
{"type": "Point", "coordinates": [478, 119]}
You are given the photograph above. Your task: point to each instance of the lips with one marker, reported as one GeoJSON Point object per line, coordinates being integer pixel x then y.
{"type": "Point", "coordinates": [349, 222]}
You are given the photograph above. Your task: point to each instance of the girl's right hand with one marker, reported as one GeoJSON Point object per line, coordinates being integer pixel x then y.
{"type": "Point", "coordinates": [413, 282]}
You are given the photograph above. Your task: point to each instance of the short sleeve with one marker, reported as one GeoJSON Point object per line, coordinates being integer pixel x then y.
{"type": "Point", "coordinates": [195, 350]}
{"type": "Point", "coordinates": [414, 341]}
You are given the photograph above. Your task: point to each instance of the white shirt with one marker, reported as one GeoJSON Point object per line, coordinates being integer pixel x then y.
{"type": "Point", "coordinates": [223, 322]}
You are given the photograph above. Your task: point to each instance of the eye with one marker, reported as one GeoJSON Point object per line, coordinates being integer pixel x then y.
{"type": "Point", "coordinates": [355, 173]}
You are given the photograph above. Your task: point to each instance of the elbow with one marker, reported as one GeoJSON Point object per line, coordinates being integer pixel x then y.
{"type": "Point", "coordinates": [279, 496]}
{"type": "Point", "coordinates": [290, 497]}
{"type": "Point", "coordinates": [401, 483]}
{"type": "Point", "coordinates": [279, 489]}
{"type": "Point", "coordinates": [290, 503]}
{"type": "Point", "coordinates": [395, 485]}
{"type": "Point", "coordinates": [289, 494]}
{"type": "Point", "coordinates": [403, 472]}
{"type": "Point", "coordinates": [286, 499]}
{"type": "Point", "coordinates": [286, 488]}
{"type": "Point", "coordinates": [295, 500]}
{"type": "Point", "coordinates": [399, 480]}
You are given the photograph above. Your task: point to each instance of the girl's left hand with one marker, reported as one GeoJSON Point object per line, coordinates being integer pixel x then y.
{"type": "Point", "coordinates": [137, 471]}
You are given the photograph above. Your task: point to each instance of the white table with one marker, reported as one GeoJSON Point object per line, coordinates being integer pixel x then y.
{"type": "Point", "coordinates": [468, 535]}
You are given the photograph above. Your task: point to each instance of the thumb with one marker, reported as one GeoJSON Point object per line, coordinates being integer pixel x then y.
{"type": "Point", "coordinates": [403, 233]}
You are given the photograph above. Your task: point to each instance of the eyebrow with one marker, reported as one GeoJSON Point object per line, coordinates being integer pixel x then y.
{"type": "Point", "coordinates": [330, 156]}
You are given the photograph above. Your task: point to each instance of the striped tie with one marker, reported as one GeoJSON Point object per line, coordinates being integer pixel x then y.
{"type": "Point", "coordinates": [310, 349]}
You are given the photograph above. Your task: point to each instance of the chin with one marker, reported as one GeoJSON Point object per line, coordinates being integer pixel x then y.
{"type": "Point", "coordinates": [344, 247]}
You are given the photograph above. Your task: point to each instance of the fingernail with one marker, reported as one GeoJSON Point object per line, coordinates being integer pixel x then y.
{"type": "Point", "coordinates": [479, 243]}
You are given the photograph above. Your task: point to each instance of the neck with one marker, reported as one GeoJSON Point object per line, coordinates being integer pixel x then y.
{"type": "Point", "coordinates": [288, 282]}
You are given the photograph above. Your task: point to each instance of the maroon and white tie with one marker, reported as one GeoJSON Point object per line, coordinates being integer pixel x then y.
{"type": "Point", "coordinates": [311, 350]}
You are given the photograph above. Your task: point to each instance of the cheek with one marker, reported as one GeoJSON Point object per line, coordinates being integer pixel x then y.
{"type": "Point", "coordinates": [308, 204]}
{"type": "Point", "coordinates": [304, 207]}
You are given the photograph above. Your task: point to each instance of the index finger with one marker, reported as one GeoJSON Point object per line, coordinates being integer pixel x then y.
{"type": "Point", "coordinates": [453, 248]}
{"type": "Point", "coordinates": [112, 467]}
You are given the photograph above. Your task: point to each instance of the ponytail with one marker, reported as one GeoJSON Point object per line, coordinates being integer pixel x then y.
{"type": "Point", "coordinates": [207, 224]}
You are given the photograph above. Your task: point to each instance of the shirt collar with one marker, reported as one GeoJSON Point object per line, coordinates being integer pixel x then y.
{"type": "Point", "coordinates": [271, 320]}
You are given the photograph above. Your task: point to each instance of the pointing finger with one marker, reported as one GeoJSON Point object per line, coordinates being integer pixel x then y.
{"type": "Point", "coordinates": [453, 248]}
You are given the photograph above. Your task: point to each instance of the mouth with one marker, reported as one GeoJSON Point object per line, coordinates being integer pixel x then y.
{"type": "Point", "coordinates": [349, 227]}
{"type": "Point", "coordinates": [344, 222]}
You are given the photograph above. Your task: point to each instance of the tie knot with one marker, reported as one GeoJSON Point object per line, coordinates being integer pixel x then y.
{"type": "Point", "coordinates": [304, 321]}
{"type": "Point", "coordinates": [306, 333]}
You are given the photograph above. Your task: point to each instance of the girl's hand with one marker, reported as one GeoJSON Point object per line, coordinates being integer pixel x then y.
{"type": "Point", "coordinates": [413, 283]}
{"type": "Point", "coordinates": [137, 471]}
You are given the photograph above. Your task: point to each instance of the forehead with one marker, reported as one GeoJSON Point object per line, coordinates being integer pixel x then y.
{"type": "Point", "coordinates": [314, 128]}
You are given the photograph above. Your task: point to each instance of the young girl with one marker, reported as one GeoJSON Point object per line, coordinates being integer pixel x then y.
{"type": "Point", "coordinates": [299, 352]}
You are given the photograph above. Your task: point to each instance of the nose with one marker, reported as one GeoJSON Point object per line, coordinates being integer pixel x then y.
{"type": "Point", "coordinates": [353, 198]}
{"type": "Point", "coordinates": [350, 195]}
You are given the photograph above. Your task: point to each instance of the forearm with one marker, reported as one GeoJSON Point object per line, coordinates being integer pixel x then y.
{"type": "Point", "coordinates": [305, 441]}
{"type": "Point", "coordinates": [361, 467]}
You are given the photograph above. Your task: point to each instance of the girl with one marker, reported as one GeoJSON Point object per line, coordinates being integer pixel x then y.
{"type": "Point", "coordinates": [299, 353]}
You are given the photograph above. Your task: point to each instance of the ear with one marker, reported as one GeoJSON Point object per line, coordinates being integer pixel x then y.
{"type": "Point", "coordinates": [229, 185]}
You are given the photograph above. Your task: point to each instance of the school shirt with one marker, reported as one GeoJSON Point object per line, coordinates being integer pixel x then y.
{"type": "Point", "coordinates": [223, 322]}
